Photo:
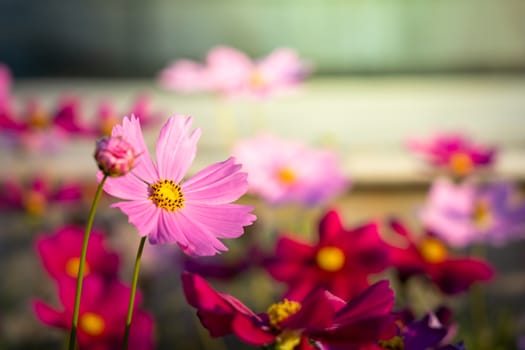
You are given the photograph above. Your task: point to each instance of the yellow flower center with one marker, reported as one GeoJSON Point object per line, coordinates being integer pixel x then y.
{"type": "Point", "coordinates": [35, 203]}
{"type": "Point", "coordinates": [330, 259]}
{"type": "Point", "coordinates": [461, 164]}
{"type": "Point", "coordinates": [38, 119]}
{"type": "Point", "coordinates": [396, 343]}
{"type": "Point", "coordinates": [167, 194]}
{"type": "Point", "coordinates": [72, 266]}
{"type": "Point", "coordinates": [278, 312]}
{"type": "Point", "coordinates": [287, 340]}
{"type": "Point", "coordinates": [481, 214]}
{"type": "Point", "coordinates": [107, 125]}
{"type": "Point", "coordinates": [433, 250]}
{"type": "Point", "coordinates": [286, 176]}
{"type": "Point", "coordinates": [257, 79]}
{"type": "Point", "coordinates": [92, 324]}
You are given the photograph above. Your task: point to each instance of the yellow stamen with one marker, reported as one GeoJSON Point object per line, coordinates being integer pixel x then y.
{"type": "Point", "coordinates": [330, 258]}
{"type": "Point", "coordinates": [72, 266]}
{"type": "Point", "coordinates": [286, 176]}
{"type": "Point", "coordinates": [396, 343]}
{"type": "Point", "coordinates": [92, 324]}
{"type": "Point", "coordinates": [287, 340]}
{"type": "Point", "coordinates": [278, 312]}
{"type": "Point", "coordinates": [257, 79]}
{"type": "Point", "coordinates": [433, 250]}
{"type": "Point", "coordinates": [461, 164]}
{"type": "Point", "coordinates": [167, 194]}
{"type": "Point", "coordinates": [481, 214]}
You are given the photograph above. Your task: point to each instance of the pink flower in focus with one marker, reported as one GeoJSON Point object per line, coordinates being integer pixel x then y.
{"type": "Point", "coordinates": [60, 254]}
{"type": "Point", "coordinates": [103, 311]}
{"type": "Point", "coordinates": [320, 319]}
{"type": "Point", "coordinates": [193, 213]}
{"type": "Point", "coordinates": [467, 213]}
{"type": "Point", "coordinates": [37, 195]}
{"type": "Point", "coordinates": [114, 156]}
{"type": "Point", "coordinates": [454, 153]}
{"type": "Point", "coordinates": [282, 171]}
{"type": "Point", "coordinates": [340, 262]}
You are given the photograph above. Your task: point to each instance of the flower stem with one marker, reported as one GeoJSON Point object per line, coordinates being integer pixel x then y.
{"type": "Point", "coordinates": [133, 292]}
{"type": "Point", "coordinates": [80, 276]}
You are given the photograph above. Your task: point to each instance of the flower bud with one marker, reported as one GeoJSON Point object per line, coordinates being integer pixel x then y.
{"type": "Point", "coordinates": [114, 156]}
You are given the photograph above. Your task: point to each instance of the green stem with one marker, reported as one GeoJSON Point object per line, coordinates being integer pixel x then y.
{"type": "Point", "coordinates": [80, 276]}
{"type": "Point", "coordinates": [133, 292]}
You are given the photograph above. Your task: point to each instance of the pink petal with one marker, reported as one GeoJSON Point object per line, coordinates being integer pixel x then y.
{"type": "Point", "coordinates": [141, 213]}
{"type": "Point", "coordinates": [176, 148]}
{"type": "Point", "coordinates": [49, 316]}
{"type": "Point", "coordinates": [169, 230]}
{"type": "Point", "coordinates": [128, 187]}
{"type": "Point", "coordinates": [224, 221]}
{"type": "Point", "coordinates": [131, 131]}
{"type": "Point", "coordinates": [219, 183]}
{"type": "Point", "coordinates": [250, 332]}
{"type": "Point", "coordinates": [330, 226]}
{"type": "Point", "coordinates": [202, 242]}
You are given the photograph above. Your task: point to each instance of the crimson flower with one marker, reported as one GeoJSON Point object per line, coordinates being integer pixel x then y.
{"type": "Point", "coordinates": [340, 262]}
{"type": "Point", "coordinates": [429, 256]}
{"type": "Point", "coordinates": [321, 318]}
{"type": "Point", "coordinates": [102, 317]}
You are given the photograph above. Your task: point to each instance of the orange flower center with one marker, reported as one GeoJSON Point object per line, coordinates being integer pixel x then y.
{"type": "Point", "coordinates": [38, 119]}
{"type": "Point", "coordinates": [92, 324]}
{"type": "Point", "coordinates": [257, 79]}
{"type": "Point", "coordinates": [73, 265]}
{"type": "Point", "coordinates": [461, 163]}
{"type": "Point", "coordinates": [481, 215]}
{"type": "Point", "coordinates": [330, 259]}
{"type": "Point", "coordinates": [278, 312]}
{"type": "Point", "coordinates": [433, 250]}
{"type": "Point", "coordinates": [167, 194]}
{"type": "Point", "coordinates": [107, 125]}
{"type": "Point", "coordinates": [286, 176]}
{"type": "Point", "coordinates": [35, 203]}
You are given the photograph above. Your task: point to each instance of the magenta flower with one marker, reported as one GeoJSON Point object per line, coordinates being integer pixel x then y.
{"type": "Point", "coordinates": [193, 213]}
{"type": "Point", "coordinates": [60, 254]}
{"type": "Point", "coordinates": [282, 171]}
{"type": "Point", "coordinates": [467, 213]}
{"type": "Point", "coordinates": [427, 255]}
{"type": "Point", "coordinates": [5, 87]}
{"type": "Point", "coordinates": [185, 76]}
{"type": "Point", "coordinates": [321, 318]}
{"type": "Point", "coordinates": [103, 311]}
{"type": "Point", "coordinates": [454, 153]}
{"type": "Point", "coordinates": [340, 262]}
{"type": "Point", "coordinates": [114, 156]}
{"type": "Point", "coordinates": [36, 196]}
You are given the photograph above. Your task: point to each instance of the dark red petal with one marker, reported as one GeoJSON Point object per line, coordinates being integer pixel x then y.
{"type": "Point", "coordinates": [251, 331]}
{"type": "Point", "coordinates": [330, 226]}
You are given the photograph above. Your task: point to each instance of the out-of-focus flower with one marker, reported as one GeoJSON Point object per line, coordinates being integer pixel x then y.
{"type": "Point", "coordinates": [455, 153]}
{"type": "Point", "coordinates": [5, 87]}
{"type": "Point", "coordinates": [60, 254]}
{"type": "Point", "coordinates": [428, 255]}
{"type": "Point", "coordinates": [340, 262]}
{"type": "Point", "coordinates": [194, 213]}
{"type": "Point", "coordinates": [36, 195]}
{"type": "Point", "coordinates": [467, 213]}
{"type": "Point", "coordinates": [321, 318]}
{"type": "Point", "coordinates": [102, 316]}
{"type": "Point", "coordinates": [231, 72]}
{"type": "Point", "coordinates": [114, 156]}
{"type": "Point", "coordinates": [283, 171]}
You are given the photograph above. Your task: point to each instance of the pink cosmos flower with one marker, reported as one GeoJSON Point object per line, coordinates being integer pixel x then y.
{"type": "Point", "coordinates": [103, 311]}
{"type": "Point", "coordinates": [60, 254]}
{"type": "Point", "coordinates": [467, 213]}
{"type": "Point", "coordinates": [321, 319]}
{"type": "Point", "coordinates": [340, 262]}
{"type": "Point", "coordinates": [193, 213]}
{"type": "Point", "coordinates": [231, 72]}
{"type": "Point", "coordinates": [428, 255]}
{"type": "Point", "coordinates": [454, 153]}
{"type": "Point", "coordinates": [282, 171]}
{"type": "Point", "coordinates": [36, 195]}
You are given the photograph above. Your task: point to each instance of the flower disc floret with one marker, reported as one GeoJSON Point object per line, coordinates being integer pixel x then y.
{"type": "Point", "coordinates": [166, 194]}
{"type": "Point", "coordinates": [279, 312]}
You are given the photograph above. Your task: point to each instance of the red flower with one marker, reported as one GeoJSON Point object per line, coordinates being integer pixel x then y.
{"type": "Point", "coordinates": [340, 262]}
{"type": "Point", "coordinates": [320, 318]}
{"type": "Point", "coordinates": [429, 256]}
{"type": "Point", "coordinates": [103, 311]}
{"type": "Point", "coordinates": [60, 254]}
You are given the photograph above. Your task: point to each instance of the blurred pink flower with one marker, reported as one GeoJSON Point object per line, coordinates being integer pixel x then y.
{"type": "Point", "coordinates": [454, 153]}
{"type": "Point", "coordinates": [231, 72]}
{"type": "Point", "coordinates": [192, 213]}
{"type": "Point", "coordinates": [38, 194]}
{"type": "Point", "coordinates": [467, 213]}
{"type": "Point", "coordinates": [340, 262]}
{"type": "Point", "coordinates": [283, 171]}
{"type": "Point", "coordinates": [102, 317]}
{"type": "Point", "coordinates": [320, 319]}
{"type": "Point", "coordinates": [60, 254]}
{"type": "Point", "coordinates": [5, 87]}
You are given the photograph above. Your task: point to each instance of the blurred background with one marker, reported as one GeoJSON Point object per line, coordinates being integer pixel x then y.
{"type": "Point", "coordinates": [383, 71]}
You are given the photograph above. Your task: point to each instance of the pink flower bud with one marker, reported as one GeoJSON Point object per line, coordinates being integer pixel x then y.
{"type": "Point", "coordinates": [114, 156]}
